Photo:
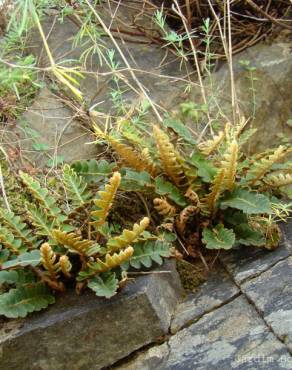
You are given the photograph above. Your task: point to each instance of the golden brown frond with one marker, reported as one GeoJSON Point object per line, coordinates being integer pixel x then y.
{"type": "Point", "coordinates": [131, 157]}
{"type": "Point", "coordinates": [112, 261]}
{"type": "Point", "coordinates": [75, 243]}
{"type": "Point", "coordinates": [106, 197]}
{"type": "Point", "coordinates": [239, 128]}
{"type": "Point", "coordinates": [128, 236]}
{"type": "Point", "coordinates": [263, 166]}
{"type": "Point", "coordinates": [193, 196]}
{"type": "Point", "coordinates": [48, 260]}
{"type": "Point", "coordinates": [150, 166]}
{"type": "Point", "coordinates": [184, 216]}
{"type": "Point", "coordinates": [163, 207]}
{"type": "Point", "coordinates": [229, 163]}
{"type": "Point", "coordinates": [216, 189]}
{"type": "Point", "coordinates": [209, 146]}
{"type": "Point", "coordinates": [65, 266]}
{"type": "Point", "coordinates": [278, 180]}
{"type": "Point", "coordinates": [170, 160]}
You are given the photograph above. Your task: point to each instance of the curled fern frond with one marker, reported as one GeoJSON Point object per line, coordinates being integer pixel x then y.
{"type": "Point", "coordinates": [41, 195]}
{"type": "Point", "coordinates": [48, 260]}
{"type": "Point", "coordinates": [278, 180]}
{"type": "Point", "coordinates": [229, 162]}
{"type": "Point", "coordinates": [163, 207]}
{"type": "Point", "coordinates": [264, 165]}
{"type": "Point", "coordinates": [216, 190]}
{"type": "Point", "coordinates": [184, 216]}
{"type": "Point", "coordinates": [75, 243]}
{"type": "Point", "coordinates": [128, 236]}
{"type": "Point", "coordinates": [65, 266]}
{"type": "Point", "coordinates": [112, 261]}
{"type": "Point", "coordinates": [106, 198]}
{"type": "Point", "coordinates": [209, 146]}
{"type": "Point", "coordinates": [193, 197]}
{"type": "Point", "coordinates": [171, 162]}
{"type": "Point", "coordinates": [75, 186]}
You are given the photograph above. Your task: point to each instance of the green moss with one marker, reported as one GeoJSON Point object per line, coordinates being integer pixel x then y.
{"type": "Point", "coordinates": [191, 275]}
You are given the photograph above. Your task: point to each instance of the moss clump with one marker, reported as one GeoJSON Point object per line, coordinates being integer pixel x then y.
{"type": "Point", "coordinates": [191, 275]}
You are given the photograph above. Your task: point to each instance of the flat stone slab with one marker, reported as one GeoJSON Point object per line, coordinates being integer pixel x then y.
{"type": "Point", "coordinates": [231, 337]}
{"type": "Point", "coordinates": [248, 262]}
{"type": "Point", "coordinates": [87, 332]}
{"type": "Point", "coordinates": [216, 291]}
{"type": "Point", "coordinates": [271, 293]}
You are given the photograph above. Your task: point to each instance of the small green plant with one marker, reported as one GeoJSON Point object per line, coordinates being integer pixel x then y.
{"type": "Point", "coordinates": [215, 196]}
{"type": "Point", "coordinates": [57, 240]}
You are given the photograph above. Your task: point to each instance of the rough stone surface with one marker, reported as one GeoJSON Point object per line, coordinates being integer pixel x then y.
{"type": "Point", "coordinates": [89, 333]}
{"type": "Point", "coordinates": [216, 291]}
{"type": "Point", "coordinates": [49, 122]}
{"type": "Point", "coordinates": [271, 293]}
{"type": "Point", "coordinates": [247, 262]}
{"type": "Point", "coordinates": [231, 337]}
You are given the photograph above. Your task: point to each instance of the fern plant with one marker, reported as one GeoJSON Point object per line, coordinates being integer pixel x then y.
{"type": "Point", "coordinates": [211, 192]}
{"type": "Point", "coordinates": [61, 238]}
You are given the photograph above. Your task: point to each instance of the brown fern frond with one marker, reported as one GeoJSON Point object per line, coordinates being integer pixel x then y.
{"type": "Point", "coordinates": [183, 218]}
{"type": "Point", "coordinates": [105, 200]}
{"type": "Point", "coordinates": [239, 127]}
{"type": "Point", "coordinates": [112, 261]}
{"type": "Point", "coordinates": [163, 207]}
{"type": "Point", "coordinates": [216, 190]}
{"type": "Point", "coordinates": [278, 180]}
{"type": "Point", "coordinates": [263, 166]}
{"type": "Point", "coordinates": [131, 157]}
{"type": "Point", "coordinates": [229, 163]}
{"type": "Point", "coordinates": [75, 243]}
{"type": "Point", "coordinates": [171, 162]}
{"type": "Point", "coordinates": [65, 266]}
{"type": "Point", "coordinates": [193, 196]}
{"type": "Point", "coordinates": [48, 260]}
{"type": "Point", "coordinates": [128, 236]}
{"type": "Point", "coordinates": [150, 166]}
{"type": "Point", "coordinates": [209, 146]}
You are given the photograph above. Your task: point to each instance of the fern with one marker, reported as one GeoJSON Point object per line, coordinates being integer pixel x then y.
{"type": "Point", "coordinates": [169, 158]}
{"type": "Point", "coordinates": [106, 197]}
{"type": "Point", "coordinates": [229, 163]}
{"type": "Point", "coordinates": [128, 236]}
{"type": "Point", "coordinates": [75, 186]}
{"type": "Point", "coordinates": [48, 260]}
{"type": "Point", "coordinates": [209, 146]}
{"type": "Point", "coordinates": [15, 246]}
{"type": "Point", "coordinates": [75, 243]}
{"type": "Point", "coordinates": [278, 180]}
{"type": "Point", "coordinates": [65, 266]}
{"type": "Point", "coordinates": [216, 190]}
{"type": "Point", "coordinates": [111, 261]}
{"type": "Point", "coordinates": [163, 207]}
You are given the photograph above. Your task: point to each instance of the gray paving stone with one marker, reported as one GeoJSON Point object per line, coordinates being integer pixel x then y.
{"type": "Point", "coordinates": [271, 293]}
{"type": "Point", "coordinates": [248, 262]}
{"type": "Point", "coordinates": [85, 332]}
{"type": "Point", "coordinates": [231, 337]}
{"type": "Point", "coordinates": [217, 290]}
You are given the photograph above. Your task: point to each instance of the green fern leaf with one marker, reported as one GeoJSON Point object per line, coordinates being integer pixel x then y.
{"type": "Point", "coordinates": [136, 181]}
{"type": "Point", "coordinates": [163, 187]}
{"type": "Point", "coordinates": [9, 277]}
{"type": "Point", "coordinates": [104, 285]}
{"type": "Point", "coordinates": [14, 245]}
{"type": "Point", "coordinates": [146, 253]}
{"type": "Point", "coordinates": [245, 235]}
{"type": "Point", "coordinates": [17, 227]}
{"type": "Point", "coordinates": [40, 220]}
{"type": "Point", "coordinates": [32, 258]}
{"type": "Point", "coordinates": [246, 201]}
{"type": "Point", "coordinates": [75, 186]}
{"type": "Point", "coordinates": [21, 301]}
{"type": "Point", "coordinates": [92, 170]}
{"type": "Point", "coordinates": [205, 169]}
{"type": "Point", "coordinates": [218, 238]}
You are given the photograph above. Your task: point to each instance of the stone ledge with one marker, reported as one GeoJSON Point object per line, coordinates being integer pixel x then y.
{"type": "Point", "coordinates": [87, 332]}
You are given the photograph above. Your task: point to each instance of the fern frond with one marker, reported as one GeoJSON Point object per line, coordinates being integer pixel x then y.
{"type": "Point", "coordinates": [48, 260]}
{"type": "Point", "coordinates": [209, 146]}
{"type": "Point", "coordinates": [65, 266]}
{"type": "Point", "coordinates": [41, 195]}
{"type": "Point", "coordinates": [130, 157]}
{"type": "Point", "coordinates": [112, 261]}
{"type": "Point", "coordinates": [10, 242]}
{"type": "Point", "coordinates": [128, 236]}
{"type": "Point", "coordinates": [75, 243]}
{"type": "Point", "coordinates": [278, 180]}
{"type": "Point", "coordinates": [40, 220]}
{"type": "Point", "coordinates": [151, 168]}
{"type": "Point", "coordinates": [184, 216]}
{"type": "Point", "coordinates": [193, 197]}
{"type": "Point", "coordinates": [170, 160]}
{"type": "Point", "coordinates": [229, 163]}
{"type": "Point", "coordinates": [106, 198]}
{"type": "Point", "coordinates": [216, 190]}
{"type": "Point", "coordinates": [163, 207]}
{"type": "Point", "coordinates": [263, 166]}
{"type": "Point", "coordinates": [17, 227]}
{"type": "Point", "coordinates": [75, 186]}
